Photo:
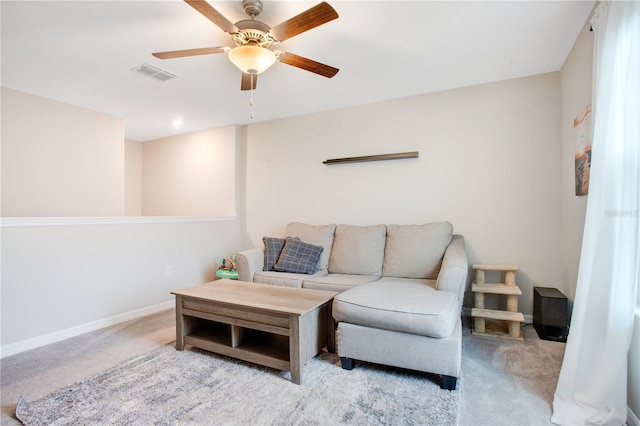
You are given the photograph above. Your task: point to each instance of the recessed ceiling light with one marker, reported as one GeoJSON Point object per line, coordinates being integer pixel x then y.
{"type": "Point", "coordinates": [177, 122]}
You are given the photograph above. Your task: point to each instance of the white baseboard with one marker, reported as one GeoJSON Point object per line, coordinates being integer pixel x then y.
{"type": "Point", "coordinates": [528, 319]}
{"type": "Point", "coordinates": [632, 419]}
{"type": "Point", "coordinates": [39, 341]}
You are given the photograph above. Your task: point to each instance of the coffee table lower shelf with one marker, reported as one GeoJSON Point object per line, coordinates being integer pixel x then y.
{"type": "Point", "coordinates": [270, 350]}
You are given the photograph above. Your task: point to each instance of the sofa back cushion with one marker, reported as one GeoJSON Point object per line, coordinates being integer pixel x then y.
{"type": "Point", "coordinates": [416, 251]}
{"type": "Point", "coordinates": [316, 235]}
{"type": "Point", "coordinates": [358, 250]}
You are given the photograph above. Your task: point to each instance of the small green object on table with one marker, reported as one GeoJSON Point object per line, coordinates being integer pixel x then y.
{"type": "Point", "coordinates": [225, 273]}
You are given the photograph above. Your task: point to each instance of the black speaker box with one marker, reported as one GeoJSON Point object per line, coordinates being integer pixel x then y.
{"type": "Point", "coordinates": [550, 316]}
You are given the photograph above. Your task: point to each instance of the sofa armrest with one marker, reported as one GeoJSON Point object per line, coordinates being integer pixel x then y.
{"type": "Point", "coordinates": [249, 262]}
{"type": "Point", "coordinates": [454, 269]}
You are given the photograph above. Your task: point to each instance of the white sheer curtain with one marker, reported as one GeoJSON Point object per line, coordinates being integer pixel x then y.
{"type": "Point", "coordinates": [592, 387]}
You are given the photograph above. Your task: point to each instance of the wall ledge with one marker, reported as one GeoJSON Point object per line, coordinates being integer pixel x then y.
{"type": "Point", "coordinates": [14, 222]}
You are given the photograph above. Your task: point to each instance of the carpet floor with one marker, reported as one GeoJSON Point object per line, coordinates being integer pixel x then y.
{"type": "Point", "coordinates": [502, 382]}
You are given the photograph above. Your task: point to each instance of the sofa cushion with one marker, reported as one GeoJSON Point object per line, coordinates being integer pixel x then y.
{"type": "Point", "coordinates": [415, 251]}
{"type": "Point", "coordinates": [285, 279]}
{"type": "Point", "coordinates": [316, 235]}
{"type": "Point", "coordinates": [399, 305]}
{"type": "Point", "coordinates": [298, 257]}
{"type": "Point", "coordinates": [272, 249]}
{"type": "Point", "coordinates": [358, 250]}
{"type": "Point", "coordinates": [338, 282]}
{"type": "Point", "coordinates": [424, 281]}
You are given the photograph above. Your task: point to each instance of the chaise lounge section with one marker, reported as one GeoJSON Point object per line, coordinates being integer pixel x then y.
{"type": "Point", "coordinates": [405, 323]}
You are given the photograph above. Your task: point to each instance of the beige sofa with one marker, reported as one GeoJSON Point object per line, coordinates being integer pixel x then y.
{"type": "Point", "coordinates": [401, 288]}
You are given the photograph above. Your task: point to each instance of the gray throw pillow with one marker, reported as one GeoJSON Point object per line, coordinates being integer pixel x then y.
{"type": "Point", "coordinates": [272, 248]}
{"type": "Point", "coordinates": [298, 257]}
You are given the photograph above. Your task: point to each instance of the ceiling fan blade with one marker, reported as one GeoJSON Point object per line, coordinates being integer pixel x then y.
{"type": "Point", "coordinates": [189, 52]}
{"type": "Point", "coordinates": [246, 81]}
{"type": "Point", "coordinates": [307, 64]}
{"type": "Point", "coordinates": [316, 16]}
{"type": "Point", "coordinates": [213, 15]}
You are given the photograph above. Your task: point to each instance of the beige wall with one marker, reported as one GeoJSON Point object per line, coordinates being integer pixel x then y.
{"type": "Point", "coordinates": [89, 272]}
{"type": "Point", "coordinates": [59, 160]}
{"type": "Point", "coordinates": [132, 178]}
{"type": "Point", "coordinates": [59, 278]}
{"type": "Point", "coordinates": [190, 175]}
{"type": "Point", "coordinates": [575, 86]}
{"type": "Point", "coordinates": [489, 163]}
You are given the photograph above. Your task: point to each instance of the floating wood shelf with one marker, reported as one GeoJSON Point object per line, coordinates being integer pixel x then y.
{"type": "Point", "coordinates": [381, 157]}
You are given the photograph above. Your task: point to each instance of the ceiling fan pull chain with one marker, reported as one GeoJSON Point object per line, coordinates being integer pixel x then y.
{"type": "Point", "coordinates": [251, 96]}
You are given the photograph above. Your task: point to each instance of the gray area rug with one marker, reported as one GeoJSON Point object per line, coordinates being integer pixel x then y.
{"type": "Point", "coordinates": [167, 387]}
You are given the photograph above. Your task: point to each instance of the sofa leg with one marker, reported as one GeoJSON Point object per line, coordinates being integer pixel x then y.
{"type": "Point", "coordinates": [347, 363]}
{"type": "Point", "coordinates": [449, 382]}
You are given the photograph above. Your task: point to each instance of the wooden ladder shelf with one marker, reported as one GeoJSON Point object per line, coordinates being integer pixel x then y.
{"type": "Point", "coordinates": [511, 316]}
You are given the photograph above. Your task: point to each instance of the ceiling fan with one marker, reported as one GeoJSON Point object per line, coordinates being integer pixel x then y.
{"type": "Point", "coordinates": [253, 38]}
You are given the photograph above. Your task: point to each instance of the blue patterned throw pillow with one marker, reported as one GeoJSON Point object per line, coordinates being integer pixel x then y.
{"type": "Point", "coordinates": [298, 257]}
{"type": "Point", "coordinates": [272, 248]}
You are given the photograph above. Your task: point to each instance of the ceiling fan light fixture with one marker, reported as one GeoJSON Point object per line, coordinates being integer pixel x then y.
{"type": "Point", "coordinates": [252, 59]}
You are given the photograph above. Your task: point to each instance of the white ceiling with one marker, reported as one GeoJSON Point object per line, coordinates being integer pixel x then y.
{"type": "Point", "coordinates": [82, 53]}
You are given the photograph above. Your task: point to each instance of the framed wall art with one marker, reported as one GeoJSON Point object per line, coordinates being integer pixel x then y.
{"type": "Point", "coordinates": [582, 126]}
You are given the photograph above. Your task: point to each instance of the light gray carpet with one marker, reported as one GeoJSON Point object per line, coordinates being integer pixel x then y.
{"type": "Point", "coordinates": [508, 382]}
{"type": "Point", "coordinates": [503, 382]}
{"type": "Point", "coordinates": [195, 387]}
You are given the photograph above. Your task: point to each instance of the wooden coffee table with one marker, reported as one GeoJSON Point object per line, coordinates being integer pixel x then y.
{"type": "Point", "coordinates": [274, 326]}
